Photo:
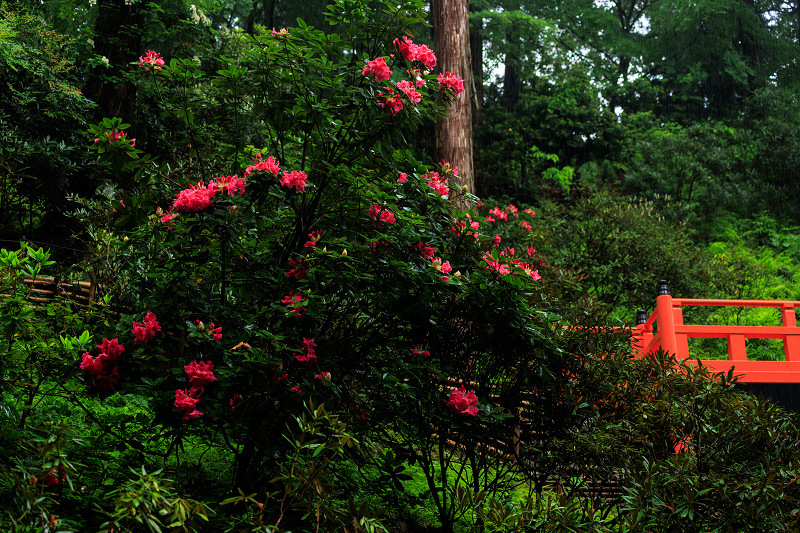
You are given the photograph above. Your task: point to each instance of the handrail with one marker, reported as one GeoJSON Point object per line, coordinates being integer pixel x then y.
{"type": "Point", "coordinates": [664, 328]}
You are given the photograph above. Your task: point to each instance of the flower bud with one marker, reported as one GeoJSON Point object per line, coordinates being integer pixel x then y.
{"type": "Point", "coordinates": [344, 252]}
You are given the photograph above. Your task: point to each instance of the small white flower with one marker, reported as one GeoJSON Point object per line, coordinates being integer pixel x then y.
{"type": "Point", "coordinates": [104, 59]}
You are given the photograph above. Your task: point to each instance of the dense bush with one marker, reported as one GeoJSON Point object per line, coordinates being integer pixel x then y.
{"type": "Point", "coordinates": [296, 329]}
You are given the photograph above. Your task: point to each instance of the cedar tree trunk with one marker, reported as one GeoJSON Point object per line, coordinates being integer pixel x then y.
{"type": "Point", "coordinates": [451, 42]}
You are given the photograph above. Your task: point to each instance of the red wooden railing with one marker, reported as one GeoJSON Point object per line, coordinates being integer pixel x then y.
{"type": "Point", "coordinates": [665, 328]}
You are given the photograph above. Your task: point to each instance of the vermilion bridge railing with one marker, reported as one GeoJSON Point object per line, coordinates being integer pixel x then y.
{"type": "Point", "coordinates": [664, 328]}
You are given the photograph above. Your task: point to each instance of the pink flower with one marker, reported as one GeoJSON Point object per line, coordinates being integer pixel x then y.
{"type": "Point", "coordinates": [437, 183]}
{"type": "Point", "coordinates": [283, 32]}
{"type": "Point", "coordinates": [496, 239]}
{"type": "Point", "coordinates": [270, 165]}
{"type": "Point", "coordinates": [426, 251]}
{"type": "Point", "coordinates": [416, 52]}
{"type": "Point", "coordinates": [416, 75]}
{"type": "Point", "coordinates": [512, 209]}
{"type": "Point", "coordinates": [297, 389]}
{"type": "Point", "coordinates": [324, 377]}
{"type": "Point", "coordinates": [393, 104]}
{"type": "Point", "coordinates": [146, 331]}
{"type": "Point", "coordinates": [167, 218]}
{"type": "Point", "coordinates": [530, 251]}
{"type": "Point", "coordinates": [402, 178]}
{"type": "Point", "coordinates": [216, 333]}
{"type": "Point", "coordinates": [530, 211]}
{"type": "Point", "coordinates": [410, 91]}
{"type": "Point", "coordinates": [419, 350]}
{"type": "Point", "coordinates": [525, 226]}
{"type": "Point", "coordinates": [498, 213]}
{"type": "Point", "coordinates": [186, 403]}
{"type": "Point", "coordinates": [449, 81]}
{"type": "Point", "coordinates": [378, 69]}
{"type": "Point", "coordinates": [407, 48]}
{"type": "Point", "coordinates": [296, 179]}
{"type": "Point", "coordinates": [299, 269]}
{"type": "Point", "coordinates": [497, 266]}
{"type": "Point", "coordinates": [232, 184]}
{"type": "Point", "coordinates": [463, 402]}
{"type": "Point", "coordinates": [308, 356]}
{"type": "Point", "coordinates": [197, 198]}
{"type": "Point", "coordinates": [426, 56]}
{"type": "Point", "coordinates": [444, 268]}
{"type": "Point", "coordinates": [151, 58]}
{"type": "Point", "coordinates": [314, 237]}
{"type": "Point", "coordinates": [200, 374]}
{"type": "Point", "coordinates": [103, 368]}
{"type": "Point", "coordinates": [51, 479]}
{"type": "Point", "coordinates": [295, 303]}
{"type": "Point", "coordinates": [113, 348]}
{"type": "Point", "coordinates": [380, 215]}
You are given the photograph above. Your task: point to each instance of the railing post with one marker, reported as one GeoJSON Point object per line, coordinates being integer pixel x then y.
{"type": "Point", "coordinates": [791, 343]}
{"type": "Point", "coordinates": [737, 348]}
{"type": "Point", "coordinates": [666, 320]}
{"type": "Point", "coordinates": [642, 335]}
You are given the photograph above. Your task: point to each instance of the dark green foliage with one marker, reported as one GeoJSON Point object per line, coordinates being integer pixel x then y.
{"type": "Point", "coordinates": [614, 249]}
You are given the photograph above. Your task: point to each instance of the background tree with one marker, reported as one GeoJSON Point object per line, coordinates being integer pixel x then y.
{"type": "Point", "coordinates": [451, 40]}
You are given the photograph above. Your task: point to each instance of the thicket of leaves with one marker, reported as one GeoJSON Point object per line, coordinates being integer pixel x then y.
{"type": "Point", "coordinates": [316, 324]}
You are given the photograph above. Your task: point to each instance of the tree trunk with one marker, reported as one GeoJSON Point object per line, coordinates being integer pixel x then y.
{"type": "Point", "coordinates": [512, 83]}
{"type": "Point", "coordinates": [451, 42]}
{"type": "Point", "coordinates": [117, 38]}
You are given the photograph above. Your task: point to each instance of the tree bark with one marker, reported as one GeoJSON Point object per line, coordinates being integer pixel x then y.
{"type": "Point", "coordinates": [451, 42]}
{"type": "Point", "coordinates": [117, 38]}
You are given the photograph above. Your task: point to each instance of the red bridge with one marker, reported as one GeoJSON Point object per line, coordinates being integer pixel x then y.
{"type": "Point", "coordinates": [664, 328]}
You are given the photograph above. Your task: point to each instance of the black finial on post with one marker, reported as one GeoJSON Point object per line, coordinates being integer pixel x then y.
{"type": "Point", "coordinates": [662, 287]}
{"type": "Point", "coordinates": [641, 317]}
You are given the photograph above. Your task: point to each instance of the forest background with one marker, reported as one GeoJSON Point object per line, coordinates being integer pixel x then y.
{"type": "Point", "coordinates": [654, 140]}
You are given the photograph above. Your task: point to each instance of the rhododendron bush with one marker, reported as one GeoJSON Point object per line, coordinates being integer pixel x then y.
{"type": "Point", "coordinates": [294, 252]}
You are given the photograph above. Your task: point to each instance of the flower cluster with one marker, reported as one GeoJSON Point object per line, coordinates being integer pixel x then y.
{"type": "Point", "coordinates": [437, 183]}
{"type": "Point", "coordinates": [416, 52]}
{"type": "Point", "coordinates": [390, 101]}
{"type": "Point", "coordinates": [296, 179]}
{"type": "Point", "coordinates": [196, 198]}
{"type": "Point", "coordinates": [504, 263]}
{"type": "Point", "coordinates": [496, 214]}
{"type": "Point", "coordinates": [463, 402]}
{"type": "Point", "coordinates": [199, 196]}
{"type": "Point", "coordinates": [215, 332]}
{"type": "Point", "coordinates": [313, 239]}
{"type": "Point", "coordinates": [451, 82]}
{"type": "Point", "coordinates": [378, 69]}
{"type": "Point", "coordinates": [103, 368]}
{"type": "Point", "coordinates": [299, 269]}
{"type": "Point", "coordinates": [381, 215]}
{"type": "Point", "coordinates": [410, 90]}
{"type": "Point", "coordinates": [145, 331]}
{"type": "Point", "coordinates": [419, 350]}
{"type": "Point", "coordinates": [232, 184]}
{"type": "Point", "coordinates": [269, 165]}
{"type": "Point", "coordinates": [443, 267]}
{"type": "Point", "coordinates": [151, 58]}
{"type": "Point", "coordinates": [307, 354]}
{"type": "Point", "coordinates": [200, 374]}
{"type": "Point", "coordinates": [294, 302]}
{"type": "Point", "coordinates": [425, 251]}
{"type": "Point", "coordinates": [116, 136]}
